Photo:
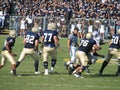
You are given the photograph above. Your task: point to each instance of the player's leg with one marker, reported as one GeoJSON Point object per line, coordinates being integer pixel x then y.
{"type": "Point", "coordinates": [22, 57]}
{"type": "Point", "coordinates": [12, 61]}
{"type": "Point", "coordinates": [118, 69]}
{"type": "Point", "coordinates": [81, 59]}
{"type": "Point", "coordinates": [54, 59]}
{"type": "Point", "coordinates": [105, 63]}
{"type": "Point", "coordinates": [73, 56]}
{"type": "Point", "coordinates": [45, 59]}
{"type": "Point", "coordinates": [36, 63]}
{"type": "Point", "coordinates": [3, 61]}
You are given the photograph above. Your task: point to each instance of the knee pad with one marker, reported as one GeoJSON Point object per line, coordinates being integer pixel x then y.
{"type": "Point", "coordinates": [53, 62]}
{"type": "Point", "coordinates": [45, 64]}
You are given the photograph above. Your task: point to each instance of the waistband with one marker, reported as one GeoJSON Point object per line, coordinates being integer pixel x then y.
{"type": "Point", "coordinates": [49, 46]}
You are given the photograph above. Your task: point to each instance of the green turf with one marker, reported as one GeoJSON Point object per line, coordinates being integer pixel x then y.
{"type": "Point", "coordinates": [59, 80]}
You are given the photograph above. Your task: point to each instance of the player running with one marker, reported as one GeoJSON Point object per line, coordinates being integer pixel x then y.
{"type": "Point", "coordinates": [113, 51]}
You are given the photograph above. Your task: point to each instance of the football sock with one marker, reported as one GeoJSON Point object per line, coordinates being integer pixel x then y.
{"type": "Point", "coordinates": [53, 62]}
{"type": "Point", "coordinates": [45, 64]}
{"type": "Point", "coordinates": [79, 73]}
{"type": "Point", "coordinates": [14, 72]}
{"type": "Point", "coordinates": [103, 66]}
{"type": "Point", "coordinates": [36, 65]}
{"type": "Point", "coordinates": [1, 66]}
{"type": "Point", "coordinates": [17, 64]}
{"type": "Point", "coordinates": [14, 69]}
{"type": "Point", "coordinates": [71, 65]}
{"type": "Point", "coordinates": [118, 68]}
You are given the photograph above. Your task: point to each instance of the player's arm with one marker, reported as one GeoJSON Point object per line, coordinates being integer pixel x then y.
{"type": "Point", "coordinates": [7, 47]}
{"type": "Point", "coordinates": [24, 41]}
{"type": "Point", "coordinates": [68, 43]}
{"type": "Point", "coordinates": [56, 41]}
{"type": "Point", "coordinates": [36, 45]}
{"type": "Point", "coordinates": [42, 41]}
{"type": "Point", "coordinates": [95, 47]}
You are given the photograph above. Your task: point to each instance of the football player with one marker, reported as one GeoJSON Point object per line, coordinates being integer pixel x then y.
{"type": "Point", "coordinates": [86, 45]}
{"type": "Point", "coordinates": [72, 45]}
{"type": "Point", "coordinates": [30, 42]}
{"type": "Point", "coordinates": [50, 43]}
{"type": "Point", "coordinates": [113, 51]}
{"type": "Point", "coordinates": [7, 51]}
{"type": "Point", "coordinates": [76, 70]}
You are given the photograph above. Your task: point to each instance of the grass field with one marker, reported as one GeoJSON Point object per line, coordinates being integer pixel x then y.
{"type": "Point", "coordinates": [59, 80]}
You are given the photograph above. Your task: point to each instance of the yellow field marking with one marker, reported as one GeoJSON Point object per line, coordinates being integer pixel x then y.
{"type": "Point", "coordinates": [66, 59]}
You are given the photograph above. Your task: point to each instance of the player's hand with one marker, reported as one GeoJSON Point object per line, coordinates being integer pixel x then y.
{"type": "Point", "coordinates": [102, 56]}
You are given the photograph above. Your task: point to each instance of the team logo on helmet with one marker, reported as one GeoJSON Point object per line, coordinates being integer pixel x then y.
{"type": "Point", "coordinates": [51, 26]}
{"type": "Point", "coordinates": [12, 33]}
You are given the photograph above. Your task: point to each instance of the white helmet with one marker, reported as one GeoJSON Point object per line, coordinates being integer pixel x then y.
{"type": "Point", "coordinates": [35, 29]}
{"type": "Point", "coordinates": [118, 31]}
{"type": "Point", "coordinates": [12, 33]}
{"type": "Point", "coordinates": [88, 35]}
{"type": "Point", "coordinates": [51, 26]}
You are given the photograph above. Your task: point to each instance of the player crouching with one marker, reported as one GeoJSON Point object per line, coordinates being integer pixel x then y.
{"type": "Point", "coordinates": [76, 70]}
{"type": "Point", "coordinates": [7, 51]}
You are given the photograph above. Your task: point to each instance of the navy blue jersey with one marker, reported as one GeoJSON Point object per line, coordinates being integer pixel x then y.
{"type": "Point", "coordinates": [48, 38]}
{"type": "Point", "coordinates": [30, 39]}
{"type": "Point", "coordinates": [115, 41]}
{"type": "Point", "coordinates": [11, 42]}
{"type": "Point", "coordinates": [86, 45]}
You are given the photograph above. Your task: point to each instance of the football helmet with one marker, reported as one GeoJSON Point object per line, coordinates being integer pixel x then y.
{"type": "Point", "coordinates": [12, 33]}
{"type": "Point", "coordinates": [35, 29]}
{"type": "Point", "coordinates": [51, 26]}
{"type": "Point", "coordinates": [118, 31]}
{"type": "Point", "coordinates": [88, 35]}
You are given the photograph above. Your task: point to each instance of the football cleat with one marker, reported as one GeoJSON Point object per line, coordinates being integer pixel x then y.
{"type": "Point", "coordinates": [11, 71]}
{"type": "Point", "coordinates": [76, 75]}
{"type": "Point", "coordinates": [70, 70]}
{"type": "Point", "coordinates": [38, 72]}
{"type": "Point", "coordinates": [100, 73]}
{"type": "Point", "coordinates": [66, 66]}
{"type": "Point", "coordinates": [46, 72]}
{"type": "Point", "coordinates": [117, 74]}
{"type": "Point", "coordinates": [87, 70]}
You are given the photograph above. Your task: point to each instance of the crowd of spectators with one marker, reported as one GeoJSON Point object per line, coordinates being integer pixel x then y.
{"type": "Point", "coordinates": [62, 9]}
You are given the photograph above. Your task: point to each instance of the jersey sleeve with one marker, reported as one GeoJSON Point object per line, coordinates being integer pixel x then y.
{"type": "Point", "coordinates": [10, 40]}
{"type": "Point", "coordinates": [69, 37]}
